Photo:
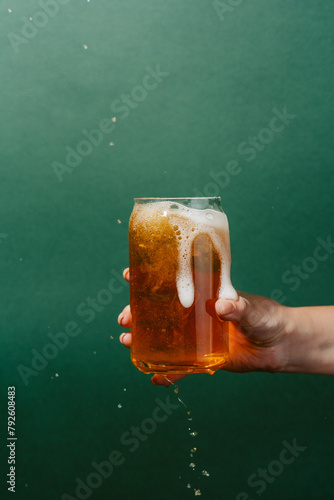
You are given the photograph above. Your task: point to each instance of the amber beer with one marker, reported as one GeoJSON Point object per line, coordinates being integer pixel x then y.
{"type": "Point", "coordinates": [179, 265]}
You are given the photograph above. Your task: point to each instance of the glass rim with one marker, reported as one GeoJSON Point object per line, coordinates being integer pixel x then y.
{"type": "Point", "coordinates": [182, 198]}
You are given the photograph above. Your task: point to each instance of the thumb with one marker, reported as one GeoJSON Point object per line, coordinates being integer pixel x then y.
{"type": "Point", "coordinates": [232, 310]}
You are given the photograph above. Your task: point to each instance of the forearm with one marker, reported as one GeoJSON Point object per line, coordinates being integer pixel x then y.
{"type": "Point", "coordinates": [309, 341]}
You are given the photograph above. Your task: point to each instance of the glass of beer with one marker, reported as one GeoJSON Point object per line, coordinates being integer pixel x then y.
{"type": "Point", "coordinates": [179, 265]}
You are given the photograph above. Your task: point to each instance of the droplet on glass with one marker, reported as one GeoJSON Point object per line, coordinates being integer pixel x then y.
{"type": "Point", "coordinates": [124, 389]}
{"type": "Point", "coordinates": [193, 450]}
{"type": "Point", "coordinates": [119, 405]}
{"type": "Point", "coordinates": [111, 143]}
{"type": "Point", "coordinates": [56, 374]}
{"type": "Point", "coordinates": [197, 493]}
{"type": "Point", "coordinates": [30, 18]}
{"type": "Point", "coordinates": [205, 473]}
{"type": "Point", "coordinates": [119, 221]}
{"type": "Point", "coordinates": [113, 119]}
{"type": "Point", "coordinates": [194, 433]}
{"type": "Point", "coordinates": [188, 485]}
{"type": "Point", "coordinates": [85, 46]}
{"type": "Point", "coordinates": [192, 465]}
{"type": "Point", "coordinates": [9, 10]}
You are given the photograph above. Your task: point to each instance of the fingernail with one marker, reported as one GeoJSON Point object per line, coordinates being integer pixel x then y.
{"type": "Point", "coordinates": [224, 307]}
{"type": "Point", "coordinates": [120, 319]}
{"type": "Point", "coordinates": [121, 337]}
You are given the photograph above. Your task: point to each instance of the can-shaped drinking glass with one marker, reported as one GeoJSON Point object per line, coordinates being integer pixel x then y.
{"type": "Point", "coordinates": [180, 262]}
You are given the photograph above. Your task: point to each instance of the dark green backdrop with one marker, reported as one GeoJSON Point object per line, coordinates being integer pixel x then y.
{"type": "Point", "coordinates": [223, 71]}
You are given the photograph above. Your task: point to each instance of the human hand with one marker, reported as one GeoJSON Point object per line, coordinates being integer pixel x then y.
{"type": "Point", "coordinates": [257, 339]}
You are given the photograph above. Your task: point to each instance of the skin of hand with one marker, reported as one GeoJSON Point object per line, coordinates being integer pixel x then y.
{"type": "Point", "coordinates": [258, 340]}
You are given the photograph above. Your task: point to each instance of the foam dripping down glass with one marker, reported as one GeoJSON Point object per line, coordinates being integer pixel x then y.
{"type": "Point", "coordinates": [179, 265]}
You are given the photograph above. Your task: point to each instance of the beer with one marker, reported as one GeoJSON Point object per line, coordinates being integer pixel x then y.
{"type": "Point", "coordinates": [179, 266]}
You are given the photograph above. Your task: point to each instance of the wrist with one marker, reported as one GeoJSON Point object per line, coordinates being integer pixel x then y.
{"type": "Point", "coordinates": [307, 346]}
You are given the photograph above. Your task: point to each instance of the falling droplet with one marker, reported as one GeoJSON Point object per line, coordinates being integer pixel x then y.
{"type": "Point", "coordinates": [188, 485]}
{"type": "Point", "coordinates": [119, 405]}
{"type": "Point", "coordinates": [192, 465]}
{"type": "Point", "coordinates": [9, 10]}
{"type": "Point", "coordinates": [113, 119]}
{"type": "Point", "coordinates": [205, 473]}
{"type": "Point", "coordinates": [197, 493]}
{"type": "Point", "coordinates": [194, 433]}
{"type": "Point", "coordinates": [85, 46]}
{"type": "Point", "coordinates": [111, 143]}
{"type": "Point", "coordinates": [30, 18]}
{"type": "Point", "coordinates": [193, 450]}
{"type": "Point", "coordinates": [119, 221]}
{"type": "Point", "coordinates": [124, 389]}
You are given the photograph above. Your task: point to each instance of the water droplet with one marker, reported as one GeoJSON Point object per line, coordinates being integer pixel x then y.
{"type": "Point", "coordinates": [197, 493]}
{"type": "Point", "coordinates": [119, 405]}
{"type": "Point", "coordinates": [124, 389]}
{"type": "Point", "coordinates": [56, 374]}
{"type": "Point", "coordinates": [112, 338]}
{"type": "Point", "coordinates": [9, 10]}
{"type": "Point", "coordinates": [193, 450]}
{"type": "Point", "coordinates": [85, 46]}
{"type": "Point", "coordinates": [21, 259]}
{"type": "Point", "coordinates": [111, 143]}
{"type": "Point", "coordinates": [26, 485]}
{"type": "Point", "coordinates": [194, 433]}
{"type": "Point", "coordinates": [176, 389]}
{"type": "Point", "coordinates": [192, 465]}
{"type": "Point", "coordinates": [188, 485]}
{"type": "Point", "coordinates": [113, 119]}
{"type": "Point", "coordinates": [205, 473]}
{"type": "Point", "coordinates": [119, 221]}
{"type": "Point", "coordinates": [191, 455]}
{"type": "Point", "coordinates": [94, 352]}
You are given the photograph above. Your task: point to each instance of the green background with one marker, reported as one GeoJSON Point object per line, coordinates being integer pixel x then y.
{"type": "Point", "coordinates": [60, 241]}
